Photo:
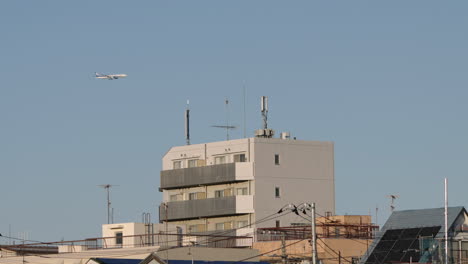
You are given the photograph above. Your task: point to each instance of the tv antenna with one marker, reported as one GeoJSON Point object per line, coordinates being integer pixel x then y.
{"type": "Point", "coordinates": [392, 197]}
{"type": "Point", "coordinates": [187, 124]}
{"type": "Point", "coordinates": [107, 187]}
{"type": "Point", "coordinates": [227, 126]}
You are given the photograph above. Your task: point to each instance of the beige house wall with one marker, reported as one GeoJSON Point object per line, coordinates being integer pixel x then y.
{"type": "Point", "coordinates": [348, 248]}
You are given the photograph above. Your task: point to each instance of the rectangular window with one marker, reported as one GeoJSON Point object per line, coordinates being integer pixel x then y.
{"type": "Point", "coordinates": [278, 223]}
{"type": "Point", "coordinates": [201, 195]}
{"type": "Point", "coordinates": [277, 192]}
{"type": "Point", "coordinates": [241, 224]}
{"type": "Point", "coordinates": [228, 192]}
{"type": "Point", "coordinates": [219, 193]}
{"type": "Point", "coordinates": [177, 164]}
{"type": "Point", "coordinates": [193, 228]}
{"type": "Point", "coordinates": [192, 163]}
{"type": "Point", "coordinates": [219, 226]}
{"type": "Point", "coordinates": [119, 238]}
{"type": "Point", "coordinates": [242, 191]}
{"type": "Point", "coordinates": [174, 197]}
{"type": "Point", "coordinates": [277, 160]}
{"type": "Point", "coordinates": [239, 158]}
{"type": "Point", "coordinates": [192, 196]}
{"type": "Point", "coordinates": [220, 160]}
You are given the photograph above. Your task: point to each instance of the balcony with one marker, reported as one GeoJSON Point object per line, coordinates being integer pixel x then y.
{"type": "Point", "coordinates": [206, 175]}
{"type": "Point", "coordinates": [211, 207]}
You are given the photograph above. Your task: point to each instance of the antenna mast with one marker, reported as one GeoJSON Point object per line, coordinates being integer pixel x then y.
{"type": "Point", "coordinates": [107, 187]}
{"type": "Point", "coordinates": [187, 124]}
{"type": "Point", "coordinates": [227, 126]}
{"type": "Point", "coordinates": [393, 197]}
{"type": "Point", "coordinates": [264, 109]}
{"type": "Point", "coordinates": [265, 132]}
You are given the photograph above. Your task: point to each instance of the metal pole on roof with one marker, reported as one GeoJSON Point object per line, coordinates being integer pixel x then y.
{"type": "Point", "coordinates": [446, 221]}
{"type": "Point", "coordinates": [314, 234]}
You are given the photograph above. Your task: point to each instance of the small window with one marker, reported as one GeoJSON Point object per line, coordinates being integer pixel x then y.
{"type": "Point", "coordinates": [219, 193]}
{"type": "Point", "coordinates": [192, 196]}
{"type": "Point", "coordinates": [119, 238]}
{"type": "Point", "coordinates": [241, 224]}
{"type": "Point", "coordinates": [277, 159]}
{"type": "Point", "coordinates": [193, 228]}
{"type": "Point", "coordinates": [277, 192]}
{"type": "Point", "coordinates": [242, 191]}
{"type": "Point", "coordinates": [219, 226]}
{"type": "Point", "coordinates": [239, 158]}
{"type": "Point", "coordinates": [278, 223]}
{"type": "Point", "coordinates": [220, 160]}
{"type": "Point", "coordinates": [174, 197]}
{"type": "Point", "coordinates": [177, 164]}
{"type": "Point", "coordinates": [192, 163]}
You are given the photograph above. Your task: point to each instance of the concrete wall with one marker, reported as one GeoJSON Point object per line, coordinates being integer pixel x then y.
{"type": "Point", "coordinates": [301, 249]}
{"type": "Point", "coordinates": [131, 234]}
{"type": "Point", "coordinates": [206, 152]}
{"type": "Point", "coordinates": [305, 174]}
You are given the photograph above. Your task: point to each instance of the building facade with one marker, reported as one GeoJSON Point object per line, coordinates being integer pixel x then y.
{"type": "Point", "coordinates": [238, 184]}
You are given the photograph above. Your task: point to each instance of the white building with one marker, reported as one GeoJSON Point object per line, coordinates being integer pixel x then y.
{"type": "Point", "coordinates": [233, 184]}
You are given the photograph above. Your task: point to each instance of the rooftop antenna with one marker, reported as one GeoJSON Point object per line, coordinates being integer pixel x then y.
{"type": "Point", "coordinates": [265, 132]}
{"type": "Point", "coordinates": [187, 123]}
{"type": "Point", "coordinates": [107, 187]}
{"type": "Point", "coordinates": [227, 126]}
{"type": "Point", "coordinates": [393, 197]}
{"type": "Point", "coordinates": [245, 117]}
{"type": "Point", "coordinates": [264, 109]}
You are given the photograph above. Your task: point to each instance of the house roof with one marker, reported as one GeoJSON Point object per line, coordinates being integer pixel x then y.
{"type": "Point", "coordinates": [400, 234]}
{"type": "Point", "coordinates": [422, 218]}
{"type": "Point", "coordinates": [113, 261]}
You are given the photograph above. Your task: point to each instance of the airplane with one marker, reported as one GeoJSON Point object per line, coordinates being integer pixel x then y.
{"type": "Point", "coordinates": [109, 76]}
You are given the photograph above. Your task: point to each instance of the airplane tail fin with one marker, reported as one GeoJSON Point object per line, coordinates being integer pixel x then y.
{"type": "Point", "coordinates": [97, 74]}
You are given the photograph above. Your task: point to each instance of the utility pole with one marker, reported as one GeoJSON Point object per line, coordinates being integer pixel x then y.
{"type": "Point", "coordinates": [284, 257]}
{"type": "Point", "coordinates": [314, 235]}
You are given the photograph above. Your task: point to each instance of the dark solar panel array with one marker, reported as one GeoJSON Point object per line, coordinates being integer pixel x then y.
{"type": "Point", "coordinates": [399, 245]}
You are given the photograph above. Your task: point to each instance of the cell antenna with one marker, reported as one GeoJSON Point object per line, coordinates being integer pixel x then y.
{"type": "Point", "coordinates": [107, 187]}
{"type": "Point", "coordinates": [265, 132]}
{"type": "Point", "coordinates": [187, 124]}
{"type": "Point", "coordinates": [227, 126]}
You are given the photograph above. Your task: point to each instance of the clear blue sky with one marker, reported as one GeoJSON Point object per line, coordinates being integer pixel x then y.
{"type": "Point", "coordinates": [385, 80]}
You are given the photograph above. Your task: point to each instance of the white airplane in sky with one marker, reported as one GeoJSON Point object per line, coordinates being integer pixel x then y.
{"type": "Point", "coordinates": [110, 76]}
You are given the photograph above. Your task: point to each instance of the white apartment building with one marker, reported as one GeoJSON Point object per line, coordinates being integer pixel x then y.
{"type": "Point", "coordinates": [234, 184]}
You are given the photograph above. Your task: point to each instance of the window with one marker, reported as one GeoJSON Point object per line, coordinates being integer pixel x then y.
{"type": "Point", "coordinates": [242, 191]}
{"type": "Point", "coordinates": [278, 223]}
{"type": "Point", "coordinates": [220, 160]}
{"type": "Point", "coordinates": [119, 238]}
{"type": "Point", "coordinates": [239, 158]}
{"type": "Point", "coordinates": [174, 197]}
{"type": "Point", "coordinates": [219, 193]}
{"type": "Point", "coordinates": [241, 224]}
{"type": "Point", "coordinates": [192, 196]}
{"type": "Point", "coordinates": [193, 228]}
{"type": "Point", "coordinates": [277, 160]}
{"type": "Point", "coordinates": [177, 164]}
{"type": "Point", "coordinates": [192, 163]}
{"type": "Point", "coordinates": [277, 192]}
{"type": "Point", "coordinates": [219, 226]}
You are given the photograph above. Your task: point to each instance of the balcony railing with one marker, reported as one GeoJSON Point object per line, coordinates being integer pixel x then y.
{"type": "Point", "coordinates": [206, 175]}
{"type": "Point", "coordinates": [136, 241]}
{"type": "Point", "coordinates": [211, 207]}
